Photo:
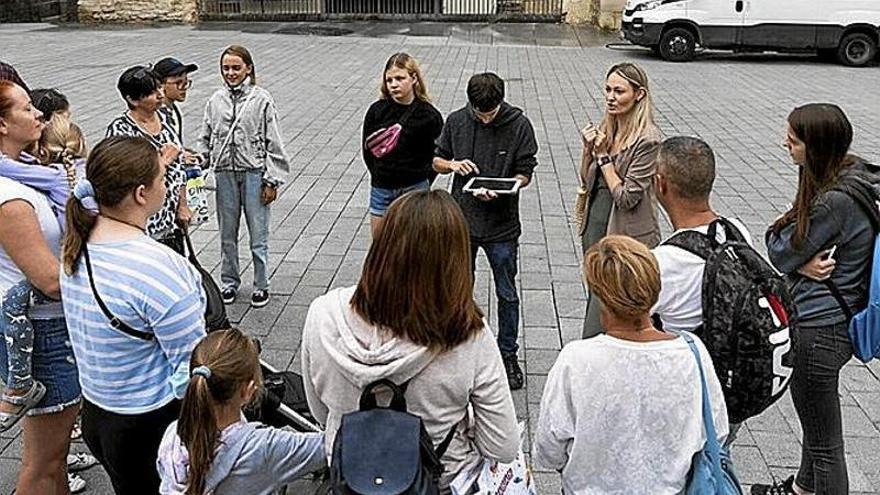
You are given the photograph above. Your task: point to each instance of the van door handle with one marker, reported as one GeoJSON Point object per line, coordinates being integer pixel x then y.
{"type": "Point", "coordinates": [739, 5]}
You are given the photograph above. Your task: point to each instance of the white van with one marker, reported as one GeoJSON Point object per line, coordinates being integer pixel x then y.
{"type": "Point", "coordinates": [845, 29]}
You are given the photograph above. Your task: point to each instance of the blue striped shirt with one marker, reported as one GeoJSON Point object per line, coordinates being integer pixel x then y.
{"type": "Point", "coordinates": [151, 289]}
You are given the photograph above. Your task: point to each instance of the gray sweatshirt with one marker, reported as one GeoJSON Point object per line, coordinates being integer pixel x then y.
{"type": "Point", "coordinates": [250, 458]}
{"type": "Point", "coordinates": [256, 142]}
{"type": "Point", "coordinates": [341, 354]}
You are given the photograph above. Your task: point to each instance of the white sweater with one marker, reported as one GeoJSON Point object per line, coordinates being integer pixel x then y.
{"type": "Point", "coordinates": [341, 354]}
{"type": "Point", "coordinates": [625, 417]}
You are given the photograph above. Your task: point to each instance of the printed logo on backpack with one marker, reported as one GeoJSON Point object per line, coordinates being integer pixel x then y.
{"type": "Point", "coordinates": [747, 319]}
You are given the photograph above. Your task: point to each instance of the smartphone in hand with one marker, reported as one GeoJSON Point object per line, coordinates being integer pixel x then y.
{"type": "Point", "coordinates": [830, 253]}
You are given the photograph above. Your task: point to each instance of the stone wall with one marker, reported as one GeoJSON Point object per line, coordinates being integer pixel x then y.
{"type": "Point", "coordinates": [138, 11]}
{"type": "Point", "coordinates": [605, 14]}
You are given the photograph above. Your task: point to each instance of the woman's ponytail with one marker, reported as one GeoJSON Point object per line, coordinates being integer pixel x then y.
{"type": "Point", "coordinates": [115, 168]}
{"type": "Point", "coordinates": [80, 222]}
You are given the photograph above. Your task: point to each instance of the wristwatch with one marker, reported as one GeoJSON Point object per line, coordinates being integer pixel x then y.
{"type": "Point", "coordinates": [604, 160]}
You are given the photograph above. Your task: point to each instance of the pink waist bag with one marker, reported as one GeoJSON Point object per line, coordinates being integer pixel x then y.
{"type": "Point", "coordinates": [383, 141]}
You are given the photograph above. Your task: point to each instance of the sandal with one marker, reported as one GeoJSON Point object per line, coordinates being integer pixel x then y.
{"type": "Point", "coordinates": [25, 402]}
{"type": "Point", "coordinates": [75, 483]}
{"type": "Point", "coordinates": [76, 433]}
{"type": "Point", "coordinates": [80, 461]}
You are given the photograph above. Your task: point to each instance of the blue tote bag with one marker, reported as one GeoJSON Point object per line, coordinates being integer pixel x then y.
{"type": "Point", "coordinates": [712, 471]}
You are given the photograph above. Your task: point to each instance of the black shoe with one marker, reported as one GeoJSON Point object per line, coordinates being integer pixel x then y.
{"type": "Point", "coordinates": [228, 295]}
{"type": "Point", "coordinates": [514, 372]}
{"type": "Point", "coordinates": [779, 488]}
{"type": "Point", "coordinates": [259, 298]}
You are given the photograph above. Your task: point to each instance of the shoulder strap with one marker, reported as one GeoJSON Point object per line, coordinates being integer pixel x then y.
{"type": "Point", "coordinates": [235, 122]}
{"type": "Point", "coordinates": [441, 449]}
{"type": "Point", "coordinates": [115, 322]}
{"type": "Point", "coordinates": [693, 242]}
{"type": "Point", "coordinates": [713, 447]}
{"type": "Point", "coordinates": [865, 197]}
{"type": "Point", "coordinates": [192, 252]}
{"type": "Point", "coordinates": [409, 111]}
{"type": "Point", "coordinates": [863, 194]}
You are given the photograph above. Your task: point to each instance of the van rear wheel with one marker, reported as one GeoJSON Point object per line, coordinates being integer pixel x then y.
{"type": "Point", "coordinates": [678, 45]}
{"type": "Point", "coordinates": [856, 50]}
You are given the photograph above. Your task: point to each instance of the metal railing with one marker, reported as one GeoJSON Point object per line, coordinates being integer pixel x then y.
{"type": "Point", "coordinates": [482, 10]}
{"type": "Point", "coordinates": [32, 10]}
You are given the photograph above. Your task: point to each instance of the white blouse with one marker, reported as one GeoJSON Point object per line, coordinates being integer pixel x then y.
{"type": "Point", "coordinates": [625, 417]}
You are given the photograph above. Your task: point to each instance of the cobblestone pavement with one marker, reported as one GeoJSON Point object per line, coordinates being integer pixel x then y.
{"type": "Point", "coordinates": [320, 230]}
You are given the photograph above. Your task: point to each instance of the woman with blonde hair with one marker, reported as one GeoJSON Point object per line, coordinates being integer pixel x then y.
{"type": "Point", "coordinates": [438, 343]}
{"type": "Point", "coordinates": [621, 412]}
{"type": "Point", "coordinates": [404, 105]}
{"type": "Point", "coordinates": [616, 194]}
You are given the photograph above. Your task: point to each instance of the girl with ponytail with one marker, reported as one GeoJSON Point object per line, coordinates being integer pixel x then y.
{"type": "Point", "coordinates": [212, 448]}
{"type": "Point", "coordinates": [135, 310]}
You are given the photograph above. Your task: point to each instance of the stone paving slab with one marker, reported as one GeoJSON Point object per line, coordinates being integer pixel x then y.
{"type": "Point", "coordinates": [320, 229]}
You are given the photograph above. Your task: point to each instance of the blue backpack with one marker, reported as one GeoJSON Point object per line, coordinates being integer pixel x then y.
{"type": "Point", "coordinates": [864, 325]}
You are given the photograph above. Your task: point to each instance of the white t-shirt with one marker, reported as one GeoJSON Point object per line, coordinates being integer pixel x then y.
{"type": "Point", "coordinates": [10, 274]}
{"type": "Point", "coordinates": [680, 305]}
{"type": "Point", "coordinates": [625, 417]}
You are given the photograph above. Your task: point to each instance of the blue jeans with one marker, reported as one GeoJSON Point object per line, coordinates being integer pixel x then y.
{"type": "Point", "coordinates": [502, 260]}
{"type": "Point", "coordinates": [18, 335]}
{"type": "Point", "coordinates": [819, 354]}
{"type": "Point", "coordinates": [237, 190]}
{"type": "Point", "coordinates": [381, 198]}
{"type": "Point", "coordinates": [54, 365]}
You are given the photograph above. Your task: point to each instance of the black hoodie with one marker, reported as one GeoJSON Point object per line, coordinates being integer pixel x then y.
{"type": "Point", "coordinates": [504, 147]}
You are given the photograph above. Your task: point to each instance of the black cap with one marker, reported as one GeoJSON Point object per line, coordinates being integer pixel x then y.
{"type": "Point", "coordinates": [170, 67]}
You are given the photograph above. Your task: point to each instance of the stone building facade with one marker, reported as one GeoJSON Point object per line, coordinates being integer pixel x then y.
{"type": "Point", "coordinates": [605, 14]}
{"type": "Point", "coordinates": [138, 11]}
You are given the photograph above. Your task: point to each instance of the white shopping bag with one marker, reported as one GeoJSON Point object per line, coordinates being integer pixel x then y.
{"type": "Point", "coordinates": [490, 477]}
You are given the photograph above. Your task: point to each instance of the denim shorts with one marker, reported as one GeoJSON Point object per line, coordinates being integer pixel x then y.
{"type": "Point", "coordinates": [53, 365]}
{"type": "Point", "coordinates": [381, 198]}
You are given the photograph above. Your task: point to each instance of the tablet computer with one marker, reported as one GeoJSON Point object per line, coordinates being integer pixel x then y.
{"type": "Point", "coordinates": [498, 185]}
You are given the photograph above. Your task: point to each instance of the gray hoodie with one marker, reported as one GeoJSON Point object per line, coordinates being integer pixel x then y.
{"type": "Point", "coordinates": [252, 458]}
{"type": "Point", "coordinates": [342, 353]}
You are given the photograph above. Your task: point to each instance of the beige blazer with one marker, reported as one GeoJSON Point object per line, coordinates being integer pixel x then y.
{"type": "Point", "coordinates": [634, 211]}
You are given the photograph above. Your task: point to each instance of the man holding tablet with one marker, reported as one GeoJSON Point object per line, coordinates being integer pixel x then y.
{"type": "Point", "coordinates": [490, 146]}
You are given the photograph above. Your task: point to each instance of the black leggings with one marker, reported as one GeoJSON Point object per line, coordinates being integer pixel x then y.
{"type": "Point", "coordinates": [819, 355]}
{"type": "Point", "coordinates": [127, 445]}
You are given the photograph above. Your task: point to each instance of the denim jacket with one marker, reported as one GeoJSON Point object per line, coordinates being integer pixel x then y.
{"type": "Point", "coordinates": [255, 144]}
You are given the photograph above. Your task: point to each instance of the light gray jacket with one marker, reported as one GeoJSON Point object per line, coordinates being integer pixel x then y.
{"type": "Point", "coordinates": [342, 353]}
{"type": "Point", "coordinates": [256, 143]}
{"type": "Point", "coordinates": [250, 458]}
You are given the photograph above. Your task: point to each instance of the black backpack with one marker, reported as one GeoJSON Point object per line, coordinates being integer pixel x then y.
{"type": "Point", "coordinates": [385, 450]}
{"type": "Point", "coordinates": [748, 319]}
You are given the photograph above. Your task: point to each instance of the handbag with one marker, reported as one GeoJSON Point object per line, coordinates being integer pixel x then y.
{"type": "Point", "coordinates": [712, 470]}
{"type": "Point", "coordinates": [215, 310]}
{"type": "Point", "coordinates": [383, 141]}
